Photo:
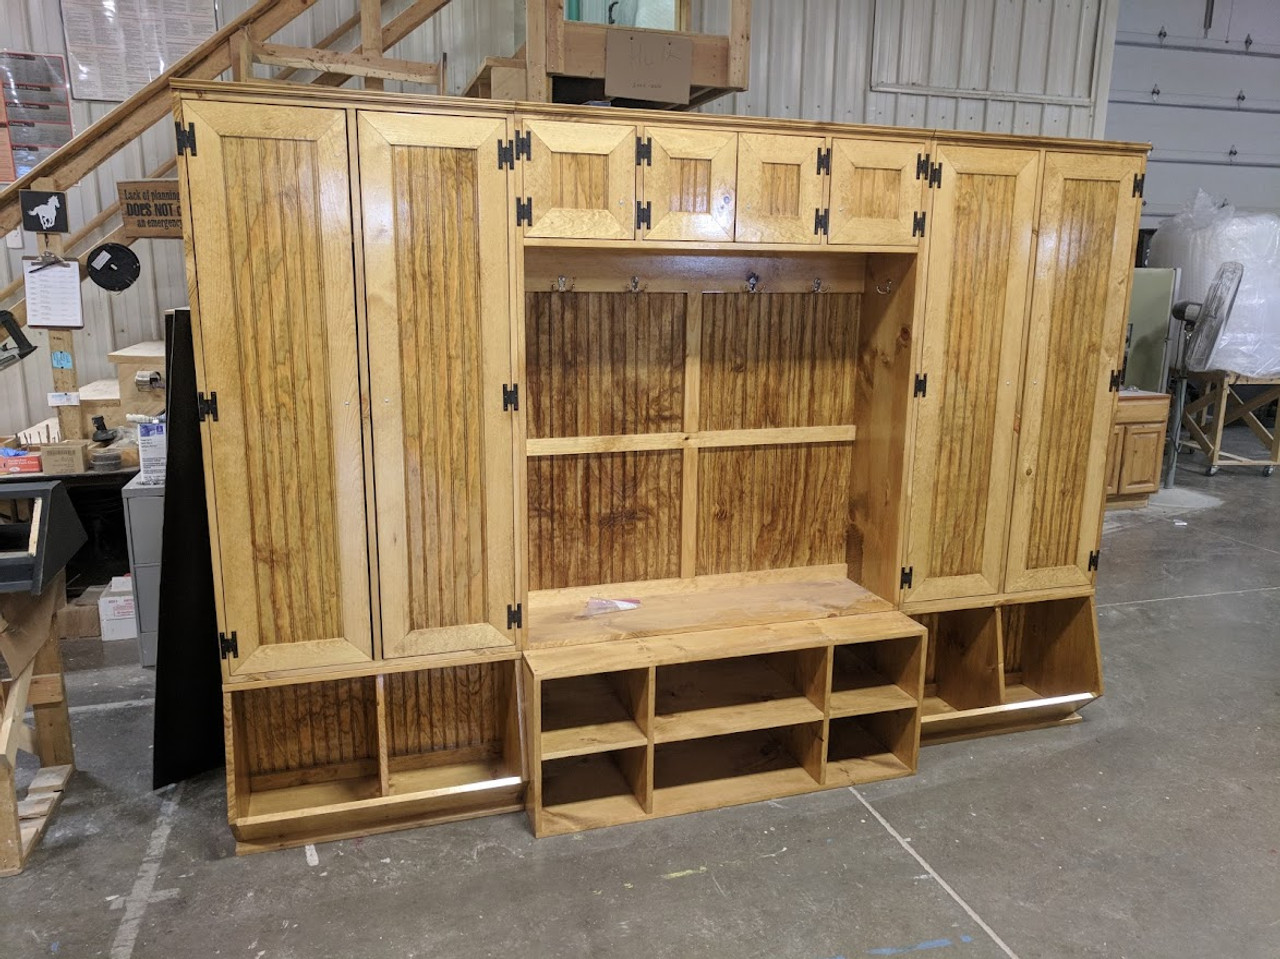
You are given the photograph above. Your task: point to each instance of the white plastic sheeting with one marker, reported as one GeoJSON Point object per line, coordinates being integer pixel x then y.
{"type": "Point", "coordinates": [1200, 239]}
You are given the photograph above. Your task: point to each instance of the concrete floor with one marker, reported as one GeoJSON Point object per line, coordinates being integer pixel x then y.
{"type": "Point", "coordinates": [1150, 830]}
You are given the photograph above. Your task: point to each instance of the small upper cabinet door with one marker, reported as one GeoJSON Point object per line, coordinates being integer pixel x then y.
{"type": "Point", "coordinates": [689, 184]}
{"type": "Point", "coordinates": [1079, 301]}
{"type": "Point", "coordinates": [268, 201]}
{"type": "Point", "coordinates": [581, 180]}
{"type": "Point", "coordinates": [781, 190]}
{"type": "Point", "coordinates": [875, 194]}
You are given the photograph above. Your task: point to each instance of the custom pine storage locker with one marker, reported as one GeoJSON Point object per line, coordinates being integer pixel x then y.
{"type": "Point", "coordinates": [620, 464]}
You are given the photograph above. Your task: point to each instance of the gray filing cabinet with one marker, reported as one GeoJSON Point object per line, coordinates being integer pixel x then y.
{"type": "Point", "coordinates": [144, 519]}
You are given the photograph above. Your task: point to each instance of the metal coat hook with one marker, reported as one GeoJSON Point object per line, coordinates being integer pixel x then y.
{"type": "Point", "coordinates": [818, 285]}
{"type": "Point", "coordinates": [635, 287]}
{"type": "Point", "coordinates": [884, 289]}
{"type": "Point", "coordinates": [753, 283]}
{"type": "Point", "coordinates": [563, 284]}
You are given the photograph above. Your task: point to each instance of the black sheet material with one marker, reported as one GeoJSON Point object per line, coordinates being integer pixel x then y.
{"type": "Point", "coordinates": [188, 731]}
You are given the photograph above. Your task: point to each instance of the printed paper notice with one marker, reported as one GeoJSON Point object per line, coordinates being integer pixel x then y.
{"type": "Point", "coordinates": [117, 47]}
{"type": "Point", "coordinates": [35, 110]}
{"type": "Point", "coordinates": [53, 295]}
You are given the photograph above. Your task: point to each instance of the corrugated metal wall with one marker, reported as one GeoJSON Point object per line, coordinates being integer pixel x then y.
{"type": "Point", "coordinates": [1027, 66]}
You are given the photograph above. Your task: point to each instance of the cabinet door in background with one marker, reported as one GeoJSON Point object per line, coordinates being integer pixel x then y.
{"type": "Point", "coordinates": [270, 219]}
{"type": "Point", "coordinates": [975, 316]}
{"type": "Point", "coordinates": [875, 194]}
{"type": "Point", "coordinates": [781, 192]}
{"type": "Point", "coordinates": [581, 180]}
{"type": "Point", "coordinates": [436, 250]}
{"type": "Point", "coordinates": [1080, 297]}
{"type": "Point", "coordinates": [1143, 457]}
{"type": "Point", "coordinates": [690, 184]}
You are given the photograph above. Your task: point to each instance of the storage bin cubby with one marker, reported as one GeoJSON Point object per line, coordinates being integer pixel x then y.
{"type": "Point", "coordinates": [1050, 650]}
{"type": "Point", "coordinates": [710, 697]}
{"type": "Point", "coordinates": [594, 713]}
{"type": "Point", "coordinates": [594, 789]}
{"type": "Point", "coordinates": [870, 747]}
{"type": "Point", "coordinates": [962, 667]}
{"type": "Point", "coordinates": [874, 677]}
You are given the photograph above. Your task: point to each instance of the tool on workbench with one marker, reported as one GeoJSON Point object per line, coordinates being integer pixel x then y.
{"type": "Point", "coordinates": [21, 348]}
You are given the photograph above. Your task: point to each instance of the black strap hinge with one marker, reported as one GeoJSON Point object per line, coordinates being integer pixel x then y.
{"type": "Point", "coordinates": [824, 160]}
{"type": "Point", "coordinates": [935, 176]}
{"type": "Point", "coordinates": [228, 645]}
{"type": "Point", "coordinates": [1139, 183]}
{"type": "Point", "coordinates": [923, 168]}
{"type": "Point", "coordinates": [524, 211]}
{"type": "Point", "coordinates": [515, 615]}
{"type": "Point", "coordinates": [821, 222]}
{"type": "Point", "coordinates": [1116, 377]}
{"type": "Point", "coordinates": [207, 406]}
{"type": "Point", "coordinates": [644, 151]}
{"type": "Point", "coordinates": [186, 138]}
{"type": "Point", "coordinates": [1093, 559]}
{"type": "Point", "coordinates": [506, 155]}
{"type": "Point", "coordinates": [524, 146]}
{"type": "Point", "coordinates": [644, 214]}
{"type": "Point", "coordinates": [510, 397]}
{"type": "Point", "coordinates": [917, 223]}
{"type": "Point", "coordinates": [922, 385]}
{"type": "Point", "coordinates": [908, 573]}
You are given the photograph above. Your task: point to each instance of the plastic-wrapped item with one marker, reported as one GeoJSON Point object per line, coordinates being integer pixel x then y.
{"type": "Point", "coordinates": [1198, 241]}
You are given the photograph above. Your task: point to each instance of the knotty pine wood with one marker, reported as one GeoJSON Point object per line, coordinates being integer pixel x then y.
{"type": "Point", "coordinates": [691, 183]}
{"type": "Point", "coordinates": [604, 518]}
{"type": "Point", "coordinates": [779, 188]}
{"type": "Point", "coordinates": [581, 179]}
{"type": "Point", "coordinates": [874, 191]}
{"type": "Point", "coordinates": [604, 364]}
{"type": "Point", "coordinates": [778, 359]}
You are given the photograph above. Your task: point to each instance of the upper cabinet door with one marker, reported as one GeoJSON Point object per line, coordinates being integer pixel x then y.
{"type": "Point", "coordinates": [437, 239]}
{"type": "Point", "coordinates": [875, 194]}
{"type": "Point", "coordinates": [975, 315]}
{"type": "Point", "coordinates": [269, 206]}
{"type": "Point", "coordinates": [781, 189]}
{"type": "Point", "coordinates": [690, 183]}
{"type": "Point", "coordinates": [1084, 260]}
{"type": "Point", "coordinates": [581, 179]}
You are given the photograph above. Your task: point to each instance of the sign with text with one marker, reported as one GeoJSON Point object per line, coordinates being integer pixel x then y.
{"type": "Point", "coordinates": [640, 65]}
{"type": "Point", "coordinates": [150, 208]}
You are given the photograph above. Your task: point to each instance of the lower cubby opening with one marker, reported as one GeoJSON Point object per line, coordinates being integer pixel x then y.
{"type": "Point", "coordinates": [874, 677]}
{"type": "Point", "coordinates": [600, 711]}
{"type": "Point", "coordinates": [598, 788]}
{"type": "Point", "coordinates": [1050, 650]}
{"type": "Point", "coordinates": [873, 746]}
{"type": "Point", "coordinates": [962, 665]}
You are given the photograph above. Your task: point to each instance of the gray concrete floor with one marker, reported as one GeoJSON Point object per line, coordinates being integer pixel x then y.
{"type": "Point", "coordinates": [1150, 830]}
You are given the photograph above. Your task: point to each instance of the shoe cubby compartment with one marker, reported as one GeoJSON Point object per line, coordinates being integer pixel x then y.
{"type": "Point", "coordinates": [1050, 657]}
{"type": "Point", "coordinates": [873, 746]}
{"type": "Point", "coordinates": [595, 789]}
{"type": "Point", "coordinates": [875, 677]}
{"type": "Point", "coordinates": [595, 713]}
{"type": "Point", "coordinates": [962, 666]}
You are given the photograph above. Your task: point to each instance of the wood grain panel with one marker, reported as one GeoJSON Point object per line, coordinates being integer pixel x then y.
{"type": "Point", "coordinates": [773, 507]}
{"type": "Point", "coordinates": [444, 710]}
{"type": "Point", "coordinates": [608, 518]}
{"type": "Point", "coordinates": [270, 208]}
{"type": "Point", "coordinates": [874, 192]}
{"type": "Point", "coordinates": [578, 180]}
{"type": "Point", "coordinates": [692, 181]}
{"type": "Point", "coordinates": [778, 359]}
{"type": "Point", "coordinates": [779, 188]}
{"type": "Point", "coordinates": [582, 180]}
{"type": "Point", "coordinates": [308, 725]}
{"type": "Point", "coordinates": [604, 364]}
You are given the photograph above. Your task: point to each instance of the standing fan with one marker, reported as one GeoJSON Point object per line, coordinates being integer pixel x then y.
{"type": "Point", "coordinates": [1202, 325]}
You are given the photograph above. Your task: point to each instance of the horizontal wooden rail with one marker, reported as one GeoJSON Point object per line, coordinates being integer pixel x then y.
{"type": "Point", "coordinates": [703, 439]}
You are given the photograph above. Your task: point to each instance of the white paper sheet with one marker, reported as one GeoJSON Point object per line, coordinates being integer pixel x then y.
{"type": "Point", "coordinates": [53, 295]}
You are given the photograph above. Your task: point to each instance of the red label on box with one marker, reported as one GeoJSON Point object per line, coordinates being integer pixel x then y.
{"type": "Point", "coordinates": [20, 464]}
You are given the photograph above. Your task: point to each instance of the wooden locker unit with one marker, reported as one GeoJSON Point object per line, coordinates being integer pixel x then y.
{"type": "Point", "coordinates": [676, 461]}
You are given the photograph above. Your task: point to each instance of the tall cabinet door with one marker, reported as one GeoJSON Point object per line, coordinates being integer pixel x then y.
{"type": "Point", "coordinates": [437, 275]}
{"type": "Point", "coordinates": [268, 209]}
{"type": "Point", "coordinates": [975, 314]}
{"type": "Point", "coordinates": [1084, 261]}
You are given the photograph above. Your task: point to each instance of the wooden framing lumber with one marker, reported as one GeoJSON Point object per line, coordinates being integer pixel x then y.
{"type": "Point", "coordinates": [346, 64]}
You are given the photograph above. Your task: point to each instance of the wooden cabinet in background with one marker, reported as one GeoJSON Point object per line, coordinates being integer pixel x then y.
{"type": "Point", "coordinates": [1136, 457]}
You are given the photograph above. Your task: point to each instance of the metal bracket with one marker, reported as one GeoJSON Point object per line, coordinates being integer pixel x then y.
{"type": "Point", "coordinates": [524, 146]}
{"type": "Point", "coordinates": [917, 223]}
{"type": "Point", "coordinates": [506, 155]}
{"type": "Point", "coordinates": [644, 214]}
{"type": "Point", "coordinates": [186, 138]}
{"type": "Point", "coordinates": [207, 406]}
{"type": "Point", "coordinates": [644, 151]}
{"type": "Point", "coordinates": [908, 574]}
{"type": "Point", "coordinates": [824, 160]}
{"type": "Point", "coordinates": [935, 176]}
{"type": "Point", "coordinates": [1093, 559]}
{"type": "Point", "coordinates": [510, 397]}
{"type": "Point", "coordinates": [923, 168]}
{"type": "Point", "coordinates": [515, 615]}
{"type": "Point", "coordinates": [821, 222]}
{"type": "Point", "coordinates": [524, 211]}
{"type": "Point", "coordinates": [1116, 377]}
{"type": "Point", "coordinates": [1139, 183]}
{"type": "Point", "coordinates": [228, 645]}
{"type": "Point", "coordinates": [922, 386]}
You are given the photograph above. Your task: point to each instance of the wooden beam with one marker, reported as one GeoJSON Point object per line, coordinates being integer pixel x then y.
{"type": "Point", "coordinates": [371, 36]}
{"type": "Point", "coordinates": [740, 45]}
{"type": "Point", "coordinates": [351, 23]}
{"type": "Point", "coordinates": [76, 159]}
{"type": "Point", "coordinates": [349, 64]}
{"type": "Point", "coordinates": [535, 25]}
{"type": "Point", "coordinates": [395, 31]}
{"type": "Point", "coordinates": [241, 56]}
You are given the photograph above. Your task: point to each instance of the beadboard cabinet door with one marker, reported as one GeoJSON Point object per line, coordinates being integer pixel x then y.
{"type": "Point", "coordinates": [975, 318]}
{"type": "Point", "coordinates": [689, 183]}
{"type": "Point", "coordinates": [875, 193]}
{"type": "Point", "coordinates": [437, 238]}
{"type": "Point", "coordinates": [1080, 297]}
{"type": "Point", "coordinates": [268, 214]}
{"type": "Point", "coordinates": [781, 189]}
{"type": "Point", "coordinates": [580, 180]}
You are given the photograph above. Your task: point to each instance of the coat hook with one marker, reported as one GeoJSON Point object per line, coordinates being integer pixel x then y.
{"type": "Point", "coordinates": [884, 289]}
{"type": "Point", "coordinates": [818, 285]}
{"type": "Point", "coordinates": [563, 284]}
{"type": "Point", "coordinates": [635, 287]}
{"type": "Point", "coordinates": [753, 283]}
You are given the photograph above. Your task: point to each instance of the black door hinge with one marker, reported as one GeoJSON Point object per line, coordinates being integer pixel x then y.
{"type": "Point", "coordinates": [917, 224]}
{"type": "Point", "coordinates": [207, 406]}
{"type": "Point", "coordinates": [935, 176]}
{"type": "Point", "coordinates": [186, 138]}
{"type": "Point", "coordinates": [824, 160]}
{"type": "Point", "coordinates": [821, 222]}
{"type": "Point", "coordinates": [524, 211]}
{"type": "Point", "coordinates": [644, 151]}
{"type": "Point", "coordinates": [228, 645]}
{"type": "Point", "coordinates": [1116, 376]}
{"type": "Point", "coordinates": [506, 155]}
{"type": "Point", "coordinates": [524, 146]}
{"type": "Point", "coordinates": [1139, 182]}
{"type": "Point", "coordinates": [515, 615]}
{"type": "Point", "coordinates": [908, 573]}
{"type": "Point", "coordinates": [644, 214]}
{"type": "Point", "coordinates": [510, 397]}
{"type": "Point", "coordinates": [922, 385]}
{"type": "Point", "coordinates": [1093, 559]}
{"type": "Point", "coordinates": [923, 167]}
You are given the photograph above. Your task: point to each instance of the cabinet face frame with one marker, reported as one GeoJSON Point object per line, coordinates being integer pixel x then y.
{"type": "Point", "coordinates": [246, 561]}
{"type": "Point", "coordinates": [850, 159]}
{"type": "Point", "coordinates": [946, 405]}
{"type": "Point", "coordinates": [1115, 458]}
{"type": "Point", "coordinates": [1045, 418]}
{"type": "Point", "coordinates": [690, 168]}
{"type": "Point", "coordinates": [484, 483]}
{"type": "Point", "coordinates": [778, 204]}
{"type": "Point", "coordinates": [561, 154]}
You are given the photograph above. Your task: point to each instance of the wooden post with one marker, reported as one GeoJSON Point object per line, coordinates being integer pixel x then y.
{"type": "Point", "coordinates": [371, 35]}
{"type": "Point", "coordinates": [241, 56]}
{"type": "Point", "coordinates": [535, 52]}
{"type": "Point", "coordinates": [70, 422]}
{"type": "Point", "coordinates": [740, 45]}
